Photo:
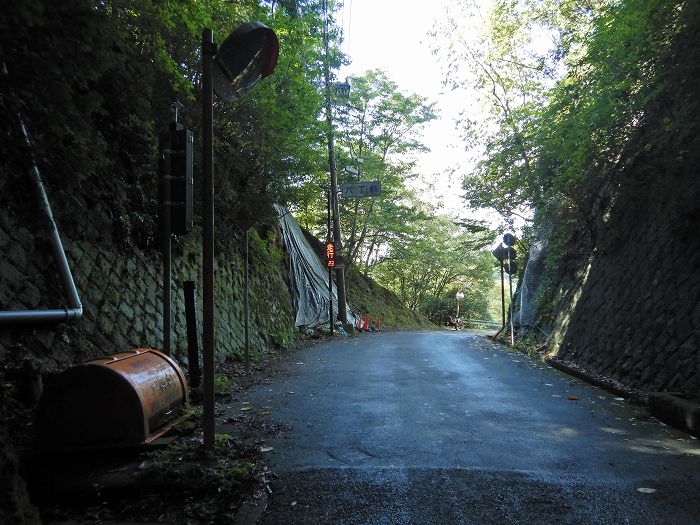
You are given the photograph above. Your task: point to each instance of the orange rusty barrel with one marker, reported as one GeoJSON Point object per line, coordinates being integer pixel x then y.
{"type": "Point", "coordinates": [120, 400]}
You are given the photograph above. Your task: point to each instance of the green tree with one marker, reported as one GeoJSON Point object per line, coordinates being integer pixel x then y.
{"type": "Point", "coordinates": [380, 125]}
{"type": "Point", "coordinates": [563, 119]}
{"type": "Point", "coordinates": [509, 64]}
{"type": "Point", "coordinates": [440, 258]}
{"type": "Point", "coordinates": [271, 142]}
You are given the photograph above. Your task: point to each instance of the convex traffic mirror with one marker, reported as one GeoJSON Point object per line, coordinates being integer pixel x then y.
{"type": "Point", "coordinates": [248, 55]}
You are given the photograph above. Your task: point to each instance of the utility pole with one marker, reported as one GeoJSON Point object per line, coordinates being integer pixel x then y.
{"type": "Point", "coordinates": [330, 270]}
{"type": "Point", "coordinates": [339, 272]}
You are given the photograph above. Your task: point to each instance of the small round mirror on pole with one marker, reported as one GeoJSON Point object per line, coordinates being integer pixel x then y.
{"type": "Point", "coordinates": [248, 55]}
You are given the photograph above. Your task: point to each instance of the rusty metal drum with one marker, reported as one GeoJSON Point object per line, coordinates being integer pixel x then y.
{"type": "Point", "coordinates": [121, 400]}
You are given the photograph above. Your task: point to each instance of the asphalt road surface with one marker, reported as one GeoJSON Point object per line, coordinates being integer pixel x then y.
{"type": "Point", "coordinates": [446, 427]}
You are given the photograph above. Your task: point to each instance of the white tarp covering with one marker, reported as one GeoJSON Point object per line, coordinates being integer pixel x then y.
{"type": "Point", "coordinates": [308, 276]}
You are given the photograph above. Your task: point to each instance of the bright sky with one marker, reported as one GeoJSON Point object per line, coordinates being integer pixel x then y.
{"type": "Point", "coordinates": [392, 35]}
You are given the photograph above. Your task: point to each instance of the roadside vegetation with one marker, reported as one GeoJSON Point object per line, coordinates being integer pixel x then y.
{"type": "Point", "coordinates": [96, 116]}
{"type": "Point", "coordinates": [571, 98]}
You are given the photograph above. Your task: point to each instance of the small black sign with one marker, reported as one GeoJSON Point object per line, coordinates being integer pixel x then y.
{"type": "Point", "coordinates": [509, 239]}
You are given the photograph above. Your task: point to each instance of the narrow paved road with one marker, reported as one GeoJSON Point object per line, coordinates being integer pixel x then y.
{"type": "Point", "coordinates": [447, 427]}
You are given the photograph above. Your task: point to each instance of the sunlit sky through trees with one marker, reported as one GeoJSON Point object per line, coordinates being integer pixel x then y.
{"type": "Point", "coordinates": [393, 35]}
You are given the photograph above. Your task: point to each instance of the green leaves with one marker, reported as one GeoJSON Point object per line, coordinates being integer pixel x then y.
{"type": "Point", "coordinates": [437, 258]}
{"type": "Point", "coordinates": [380, 125]}
{"type": "Point", "coordinates": [561, 119]}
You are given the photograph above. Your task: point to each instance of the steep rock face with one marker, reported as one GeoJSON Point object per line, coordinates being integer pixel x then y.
{"type": "Point", "coordinates": [631, 311]}
{"type": "Point", "coordinates": [628, 305]}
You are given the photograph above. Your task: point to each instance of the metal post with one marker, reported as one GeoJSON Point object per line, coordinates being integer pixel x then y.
{"type": "Point", "coordinates": [510, 305]}
{"type": "Point", "coordinates": [209, 350]}
{"type": "Point", "coordinates": [246, 311]}
{"type": "Point", "coordinates": [75, 307]}
{"type": "Point", "coordinates": [339, 271]}
{"type": "Point", "coordinates": [192, 338]}
{"type": "Point", "coordinates": [164, 165]}
{"type": "Point", "coordinates": [503, 299]}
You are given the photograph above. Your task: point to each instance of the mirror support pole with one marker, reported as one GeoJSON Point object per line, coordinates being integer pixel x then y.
{"type": "Point", "coordinates": [209, 339]}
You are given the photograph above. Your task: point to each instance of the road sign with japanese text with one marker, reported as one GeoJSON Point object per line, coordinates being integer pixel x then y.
{"type": "Point", "coordinates": [370, 188]}
{"type": "Point", "coordinates": [334, 258]}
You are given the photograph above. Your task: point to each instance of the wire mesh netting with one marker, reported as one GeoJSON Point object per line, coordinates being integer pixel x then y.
{"type": "Point", "coordinates": [533, 280]}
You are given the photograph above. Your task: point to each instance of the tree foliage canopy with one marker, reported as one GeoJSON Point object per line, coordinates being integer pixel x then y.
{"type": "Point", "coordinates": [95, 81]}
{"type": "Point", "coordinates": [441, 259]}
{"type": "Point", "coordinates": [567, 115]}
{"type": "Point", "coordinates": [379, 133]}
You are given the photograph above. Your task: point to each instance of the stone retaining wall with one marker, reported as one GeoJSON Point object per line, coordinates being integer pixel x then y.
{"type": "Point", "coordinates": [120, 288]}
{"type": "Point", "coordinates": [632, 310]}
{"type": "Point", "coordinates": [122, 300]}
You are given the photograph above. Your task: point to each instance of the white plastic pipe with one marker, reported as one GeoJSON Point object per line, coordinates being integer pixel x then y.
{"type": "Point", "coordinates": [75, 308]}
